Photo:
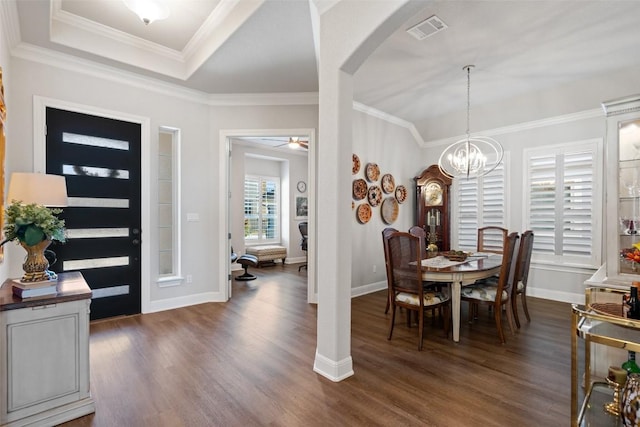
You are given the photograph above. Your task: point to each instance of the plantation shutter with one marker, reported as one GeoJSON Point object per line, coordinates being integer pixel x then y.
{"type": "Point", "coordinates": [481, 203]}
{"type": "Point", "coordinates": [261, 210]}
{"type": "Point", "coordinates": [562, 201]}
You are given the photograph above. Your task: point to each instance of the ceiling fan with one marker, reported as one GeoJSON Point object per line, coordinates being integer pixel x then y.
{"type": "Point", "coordinates": [295, 143]}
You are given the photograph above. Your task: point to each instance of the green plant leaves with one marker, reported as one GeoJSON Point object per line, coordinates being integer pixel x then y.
{"type": "Point", "coordinates": [33, 235]}
{"type": "Point", "coordinates": [32, 223]}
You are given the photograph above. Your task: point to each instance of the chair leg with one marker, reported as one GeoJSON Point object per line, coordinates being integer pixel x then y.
{"type": "Point", "coordinates": [420, 328]}
{"type": "Point", "coordinates": [514, 309]}
{"type": "Point", "coordinates": [524, 306]}
{"type": "Point", "coordinates": [447, 317]}
{"type": "Point", "coordinates": [498, 317]}
{"type": "Point", "coordinates": [392, 320]}
{"type": "Point", "coordinates": [510, 318]}
{"type": "Point", "coordinates": [386, 310]}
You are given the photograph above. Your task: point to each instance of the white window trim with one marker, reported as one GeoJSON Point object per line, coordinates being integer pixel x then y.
{"type": "Point", "coordinates": [596, 146]}
{"type": "Point", "coordinates": [175, 278]}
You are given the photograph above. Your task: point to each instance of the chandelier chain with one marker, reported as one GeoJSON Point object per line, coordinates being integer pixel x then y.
{"type": "Point", "coordinates": [468, 67]}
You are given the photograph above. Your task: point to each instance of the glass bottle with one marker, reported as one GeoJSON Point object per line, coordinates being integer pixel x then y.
{"type": "Point", "coordinates": [630, 365]}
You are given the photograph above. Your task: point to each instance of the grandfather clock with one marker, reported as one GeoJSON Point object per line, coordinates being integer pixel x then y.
{"type": "Point", "coordinates": [433, 207]}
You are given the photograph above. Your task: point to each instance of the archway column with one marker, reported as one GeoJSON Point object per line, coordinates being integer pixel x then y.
{"type": "Point", "coordinates": [348, 32]}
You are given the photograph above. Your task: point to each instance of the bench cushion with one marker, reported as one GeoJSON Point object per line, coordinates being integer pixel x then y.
{"type": "Point", "coordinates": [268, 252]}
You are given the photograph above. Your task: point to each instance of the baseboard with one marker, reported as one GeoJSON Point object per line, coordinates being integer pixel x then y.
{"type": "Point", "coordinates": [335, 371]}
{"type": "Point", "coordinates": [553, 295]}
{"type": "Point", "coordinates": [185, 301]}
{"type": "Point", "coordinates": [368, 289]}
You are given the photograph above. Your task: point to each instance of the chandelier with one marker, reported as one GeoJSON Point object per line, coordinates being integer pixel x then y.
{"type": "Point", "coordinates": [472, 156]}
{"type": "Point", "coordinates": [148, 10]}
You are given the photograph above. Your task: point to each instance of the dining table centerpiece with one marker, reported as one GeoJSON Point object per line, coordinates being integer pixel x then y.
{"type": "Point", "coordinates": [34, 227]}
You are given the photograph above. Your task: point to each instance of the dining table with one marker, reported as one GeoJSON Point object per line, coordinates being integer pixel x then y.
{"type": "Point", "coordinates": [459, 274]}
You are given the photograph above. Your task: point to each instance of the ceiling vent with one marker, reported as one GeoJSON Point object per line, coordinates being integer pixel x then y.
{"type": "Point", "coordinates": [427, 28]}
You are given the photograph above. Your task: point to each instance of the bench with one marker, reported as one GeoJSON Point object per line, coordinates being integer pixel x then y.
{"type": "Point", "coordinates": [267, 254]}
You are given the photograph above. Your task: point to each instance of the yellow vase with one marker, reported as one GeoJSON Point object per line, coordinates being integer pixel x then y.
{"type": "Point", "coordinates": [35, 265]}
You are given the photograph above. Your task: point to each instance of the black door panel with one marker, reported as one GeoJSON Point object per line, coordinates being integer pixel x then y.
{"type": "Point", "coordinates": [100, 159]}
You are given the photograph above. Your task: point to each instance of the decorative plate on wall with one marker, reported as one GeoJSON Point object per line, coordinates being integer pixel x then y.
{"type": "Point", "coordinates": [363, 213]}
{"type": "Point", "coordinates": [389, 210]}
{"type": "Point", "coordinates": [374, 195]}
{"type": "Point", "coordinates": [401, 193]}
{"type": "Point", "coordinates": [372, 172]}
{"type": "Point", "coordinates": [355, 168]}
{"type": "Point", "coordinates": [359, 189]}
{"type": "Point", "coordinates": [388, 183]}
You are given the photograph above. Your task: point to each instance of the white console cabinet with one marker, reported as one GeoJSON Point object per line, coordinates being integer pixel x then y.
{"type": "Point", "coordinates": [44, 355]}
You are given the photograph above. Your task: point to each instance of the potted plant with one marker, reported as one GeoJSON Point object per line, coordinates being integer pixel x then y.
{"type": "Point", "coordinates": [34, 227]}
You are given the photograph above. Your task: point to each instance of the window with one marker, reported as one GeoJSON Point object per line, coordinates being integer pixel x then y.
{"type": "Point", "coordinates": [562, 201]}
{"type": "Point", "coordinates": [261, 210]}
{"type": "Point", "coordinates": [168, 206]}
{"type": "Point", "coordinates": [480, 203]}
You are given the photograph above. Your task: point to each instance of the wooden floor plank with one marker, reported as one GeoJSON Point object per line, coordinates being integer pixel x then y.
{"type": "Point", "coordinates": [249, 362]}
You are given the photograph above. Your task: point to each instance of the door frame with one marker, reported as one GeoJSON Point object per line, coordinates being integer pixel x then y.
{"type": "Point", "coordinates": [224, 200]}
{"type": "Point", "coordinates": [40, 105]}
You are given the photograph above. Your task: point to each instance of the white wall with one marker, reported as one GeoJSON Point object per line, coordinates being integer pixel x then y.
{"type": "Point", "coordinates": [200, 126]}
{"type": "Point", "coordinates": [395, 151]}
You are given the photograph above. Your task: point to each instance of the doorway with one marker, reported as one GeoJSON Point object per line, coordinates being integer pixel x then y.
{"type": "Point", "coordinates": [304, 134]}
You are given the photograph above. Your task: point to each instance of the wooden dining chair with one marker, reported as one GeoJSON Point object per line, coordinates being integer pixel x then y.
{"type": "Point", "coordinates": [522, 275]}
{"type": "Point", "coordinates": [491, 239]}
{"type": "Point", "coordinates": [385, 245]}
{"type": "Point", "coordinates": [495, 294]}
{"type": "Point", "coordinates": [419, 232]}
{"type": "Point", "coordinates": [406, 288]}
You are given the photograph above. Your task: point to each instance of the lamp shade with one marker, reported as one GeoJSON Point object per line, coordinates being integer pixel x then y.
{"type": "Point", "coordinates": [42, 189]}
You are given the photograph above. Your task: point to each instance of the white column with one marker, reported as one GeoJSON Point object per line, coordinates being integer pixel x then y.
{"type": "Point", "coordinates": [348, 32]}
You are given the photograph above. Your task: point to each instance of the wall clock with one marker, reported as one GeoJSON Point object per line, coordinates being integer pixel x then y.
{"type": "Point", "coordinates": [433, 194]}
{"type": "Point", "coordinates": [302, 186]}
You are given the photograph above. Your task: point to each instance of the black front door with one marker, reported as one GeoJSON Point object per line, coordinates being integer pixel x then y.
{"type": "Point", "coordinates": [100, 159]}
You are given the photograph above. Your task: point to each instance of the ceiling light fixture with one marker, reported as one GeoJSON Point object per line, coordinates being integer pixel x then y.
{"type": "Point", "coordinates": [148, 10]}
{"type": "Point", "coordinates": [294, 143]}
{"type": "Point", "coordinates": [472, 156]}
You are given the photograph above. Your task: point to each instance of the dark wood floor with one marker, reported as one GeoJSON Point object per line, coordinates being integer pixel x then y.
{"type": "Point", "coordinates": [249, 362]}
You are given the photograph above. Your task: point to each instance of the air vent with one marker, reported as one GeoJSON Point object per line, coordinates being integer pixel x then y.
{"type": "Point", "coordinates": [427, 28]}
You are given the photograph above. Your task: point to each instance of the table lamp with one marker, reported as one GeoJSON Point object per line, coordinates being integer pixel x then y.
{"type": "Point", "coordinates": [34, 191]}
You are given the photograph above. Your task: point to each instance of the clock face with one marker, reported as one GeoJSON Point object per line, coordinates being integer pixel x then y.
{"type": "Point", "coordinates": [433, 194]}
{"type": "Point", "coordinates": [302, 186]}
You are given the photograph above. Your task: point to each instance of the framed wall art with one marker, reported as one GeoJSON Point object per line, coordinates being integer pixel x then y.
{"type": "Point", "coordinates": [302, 207]}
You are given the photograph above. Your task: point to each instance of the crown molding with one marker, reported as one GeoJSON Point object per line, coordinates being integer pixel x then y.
{"type": "Point", "coordinates": [298, 98]}
{"type": "Point", "coordinates": [222, 23]}
{"type": "Point", "coordinates": [84, 66]}
{"type": "Point", "coordinates": [75, 23]}
{"type": "Point", "coordinates": [88, 36]}
{"type": "Point", "coordinates": [390, 119]}
{"type": "Point", "coordinates": [9, 20]}
{"type": "Point", "coordinates": [534, 124]}
{"type": "Point", "coordinates": [72, 63]}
